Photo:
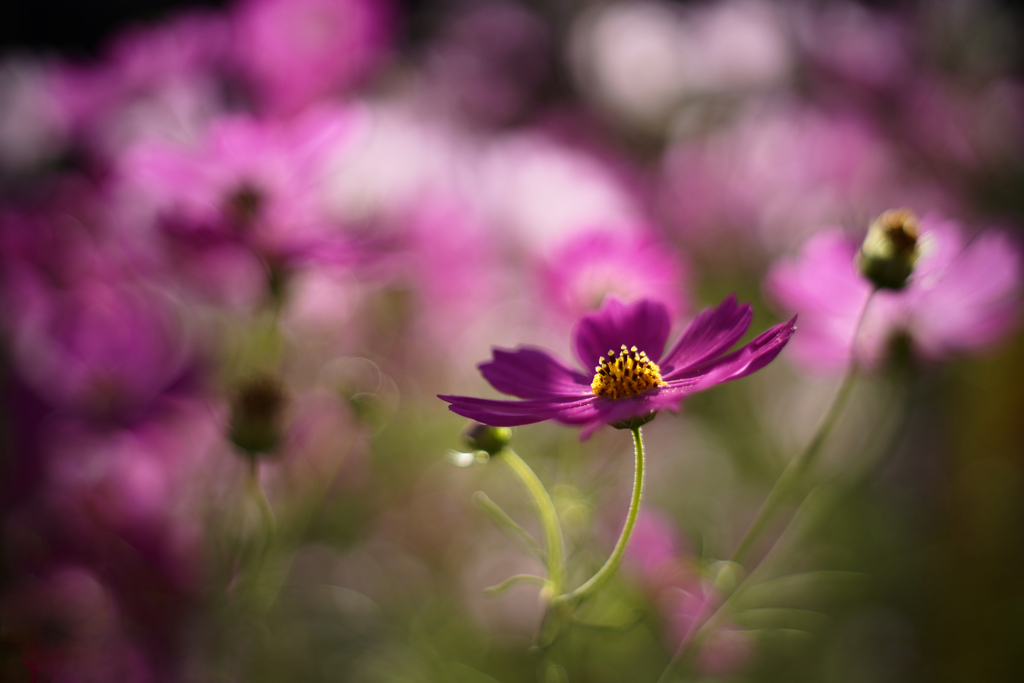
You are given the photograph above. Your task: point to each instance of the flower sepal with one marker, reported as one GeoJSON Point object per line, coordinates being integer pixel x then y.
{"type": "Point", "coordinates": [636, 422]}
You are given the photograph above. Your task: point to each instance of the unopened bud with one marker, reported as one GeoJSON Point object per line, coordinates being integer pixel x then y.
{"type": "Point", "coordinates": [481, 437]}
{"type": "Point", "coordinates": [890, 250]}
{"type": "Point", "coordinates": [257, 415]}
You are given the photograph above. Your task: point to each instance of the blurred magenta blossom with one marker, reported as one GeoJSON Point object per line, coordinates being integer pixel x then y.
{"type": "Point", "coordinates": [162, 82]}
{"type": "Point", "coordinates": [686, 599]}
{"type": "Point", "coordinates": [591, 266]}
{"type": "Point", "coordinates": [779, 171]}
{"type": "Point", "coordinates": [964, 296]}
{"type": "Point", "coordinates": [295, 52]}
{"type": "Point", "coordinates": [253, 183]}
{"type": "Point", "coordinates": [74, 629]}
{"type": "Point", "coordinates": [488, 62]}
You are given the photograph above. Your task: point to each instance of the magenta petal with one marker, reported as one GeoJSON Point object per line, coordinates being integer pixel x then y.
{"type": "Point", "coordinates": [749, 359]}
{"type": "Point", "coordinates": [644, 324]}
{"type": "Point", "coordinates": [514, 413]}
{"type": "Point", "coordinates": [533, 373]}
{"type": "Point", "coordinates": [712, 332]}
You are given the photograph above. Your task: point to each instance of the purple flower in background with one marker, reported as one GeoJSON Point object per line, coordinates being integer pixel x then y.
{"type": "Point", "coordinates": [670, 574]}
{"type": "Point", "coordinates": [591, 266]}
{"type": "Point", "coordinates": [633, 376]}
{"type": "Point", "coordinates": [963, 296]}
{"type": "Point", "coordinates": [252, 183]}
{"type": "Point", "coordinates": [72, 629]}
{"type": "Point", "coordinates": [488, 62]}
{"type": "Point", "coordinates": [297, 51]}
{"type": "Point", "coordinates": [159, 82]}
{"type": "Point", "coordinates": [777, 173]}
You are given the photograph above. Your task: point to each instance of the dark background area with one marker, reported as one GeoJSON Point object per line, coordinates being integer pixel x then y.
{"type": "Point", "coordinates": [79, 29]}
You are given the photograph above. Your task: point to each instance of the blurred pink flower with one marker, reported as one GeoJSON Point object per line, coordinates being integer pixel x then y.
{"type": "Point", "coordinates": [456, 272]}
{"type": "Point", "coordinates": [397, 155]}
{"type": "Point", "coordinates": [160, 82]}
{"type": "Point", "coordinates": [964, 124]}
{"type": "Point", "coordinates": [87, 338]}
{"type": "Point", "coordinates": [488, 61]}
{"type": "Point", "coordinates": [863, 47]}
{"type": "Point", "coordinates": [645, 61]}
{"type": "Point", "coordinates": [588, 267]}
{"type": "Point", "coordinates": [654, 549]}
{"type": "Point", "coordinates": [777, 174]}
{"type": "Point", "coordinates": [251, 183]}
{"type": "Point", "coordinates": [686, 600]}
{"type": "Point", "coordinates": [71, 629]}
{"type": "Point", "coordinates": [963, 296]}
{"type": "Point", "coordinates": [298, 51]}
{"type": "Point", "coordinates": [539, 189]}
{"type": "Point", "coordinates": [143, 485]}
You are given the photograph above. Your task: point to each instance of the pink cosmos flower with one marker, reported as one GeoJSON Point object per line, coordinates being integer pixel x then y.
{"type": "Point", "coordinates": [851, 43]}
{"type": "Point", "coordinates": [250, 182]}
{"type": "Point", "coordinates": [542, 188]}
{"type": "Point", "coordinates": [634, 377]}
{"type": "Point", "coordinates": [592, 266]}
{"type": "Point", "coordinates": [488, 62]}
{"type": "Point", "coordinates": [156, 82]}
{"type": "Point", "coordinates": [963, 296]}
{"type": "Point", "coordinates": [297, 51]}
{"type": "Point", "coordinates": [85, 332]}
{"type": "Point", "coordinates": [778, 173]}
{"type": "Point", "coordinates": [73, 628]}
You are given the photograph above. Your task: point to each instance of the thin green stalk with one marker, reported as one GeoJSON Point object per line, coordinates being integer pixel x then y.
{"type": "Point", "coordinates": [266, 512]}
{"type": "Point", "coordinates": [548, 518]}
{"type": "Point", "coordinates": [594, 583]}
{"type": "Point", "coordinates": [795, 469]}
{"type": "Point", "coordinates": [798, 466]}
{"type": "Point", "coordinates": [782, 489]}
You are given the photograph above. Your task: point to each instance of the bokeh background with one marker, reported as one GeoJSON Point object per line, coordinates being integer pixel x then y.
{"type": "Point", "coordinates": [244, 245]}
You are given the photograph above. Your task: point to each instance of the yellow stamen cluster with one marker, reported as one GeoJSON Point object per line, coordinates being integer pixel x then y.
{"type": "Point", "coordinates": [627, 374]}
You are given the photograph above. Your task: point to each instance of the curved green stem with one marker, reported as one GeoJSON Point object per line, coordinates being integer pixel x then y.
{"type": "Point", "coordinates": [595, 582]}
{"type": "Point", "coordinates": [555, 555]}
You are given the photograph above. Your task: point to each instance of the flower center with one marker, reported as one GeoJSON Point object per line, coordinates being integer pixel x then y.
{"type": "Point", "coordinates": [627, 374]}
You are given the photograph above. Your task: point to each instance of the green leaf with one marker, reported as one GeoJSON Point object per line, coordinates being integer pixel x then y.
{"type": "Point", "coordinates": [512, 580]}
{"type": "Point", "coordinates": [507, 525]}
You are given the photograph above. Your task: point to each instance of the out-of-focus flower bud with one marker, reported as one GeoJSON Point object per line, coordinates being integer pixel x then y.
{"type": "Point", "coordinates": [257, 415]}
{"type": "Point", "coordinates": [890, 249]}
{"type": "Point", "coordinates": [491, 440]}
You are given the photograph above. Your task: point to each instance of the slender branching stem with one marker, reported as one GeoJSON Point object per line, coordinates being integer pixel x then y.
{"type": "Point", "coordinates": [788, 482]}
{"type": "Point", "coordinates": [256, 487]}
{"type": "Point", "coordinates": [555, 550]}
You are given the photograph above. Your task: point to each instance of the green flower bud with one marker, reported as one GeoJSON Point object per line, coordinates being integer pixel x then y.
{"type": "Point", "coordinates": [490, 440]}
{"type": "Point", "coordinates": [257, 415]}
{"type": "Point", "coordinates": [890, 250]}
